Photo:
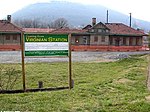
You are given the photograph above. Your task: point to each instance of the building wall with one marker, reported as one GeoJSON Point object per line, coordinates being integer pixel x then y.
{"type": "Point", "coordinates": [94, 39]}
{"type": "Point", "coordinates": [1, 40]}
{"type": "Point", "coordinates": [146, 40]}
{"type": "Point", "coordinates": [10, 47]}
{"type": "Point", "coordinates": [9, 42]}
{"type": "Point", "coordinates": [80, 40]}
{"type": "Point", "coordinates": [125, 41]}
{"type": "Point", "coordinates": [10, 39]}
{"type": "Point", "coordinates": [76, 40]}
{"type": "Point", "coordinates": [101, 40]}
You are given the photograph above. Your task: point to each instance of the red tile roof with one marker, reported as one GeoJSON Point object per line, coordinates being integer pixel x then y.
{"type": "Point", "coordinates": [67, 31]}
{"type": "Point", "coordinates": [121, 29]}
{"type": "Point", "coordinates": [6, 26]}
{"type": "Point", "coordinates": [37, 30]}
{"type": "Point", "coordinates": [53, 31]}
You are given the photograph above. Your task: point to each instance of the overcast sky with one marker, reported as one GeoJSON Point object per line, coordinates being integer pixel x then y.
{"type": "Point", "coordinates": [139, 8]}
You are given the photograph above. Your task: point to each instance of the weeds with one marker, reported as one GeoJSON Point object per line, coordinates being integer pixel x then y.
{"type": "Point", "coordinates": [8, 78]}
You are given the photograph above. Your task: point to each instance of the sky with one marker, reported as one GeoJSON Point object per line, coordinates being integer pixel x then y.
{"type": "Point", "coordinates": [139, 8]}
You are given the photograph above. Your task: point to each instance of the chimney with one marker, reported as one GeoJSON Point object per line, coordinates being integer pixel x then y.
{"type": "Point", "coordinates": [140, 30]}
{"type": "Point", "coordinates": [107, 16]}
{"type": "Point", "coordinates": [9, 18]}
{"type": "Point", "coordinates": [130, 19]}
{"type": "Point", "coordinates": [93, 21]}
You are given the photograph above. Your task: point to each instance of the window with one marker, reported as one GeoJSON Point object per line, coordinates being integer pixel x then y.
{"type": "Point", "coordinates": [107, 31]}
{"type": "Point", "coordinates": [85, 40]}
{"type": "Point", "coordinates": [96, 39]}
{"type": "Point", "coordinates": [99, 30]}
{"type": "Point", "coordinates": [14, 37]}
{"type": "Point", "coordinates": [92, 30]}
{"type": "Point", "coordinates": [124, 41]}
{"type": "Point", "coordinates": [137, 40]}
{"type": "Point", "coordinates": [103, 39]}
{"type": "Point", "coordinates": [111, 40]}
{"type": "Point", "coordinates": [76, 40]}
{"type": "Point", "coordinates": [7, 37]}
{"type": "Point", "coordinates": [103, 30]}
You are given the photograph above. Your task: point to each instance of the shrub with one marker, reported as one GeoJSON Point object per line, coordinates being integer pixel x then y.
{"type": "Point", "coordinates": [8, 78]}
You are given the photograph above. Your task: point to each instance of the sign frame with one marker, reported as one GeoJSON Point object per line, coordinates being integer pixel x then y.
{"type": "Point", "coordinates": [44, 45]}
{"type": "Point", "coordinates": [70, 81]}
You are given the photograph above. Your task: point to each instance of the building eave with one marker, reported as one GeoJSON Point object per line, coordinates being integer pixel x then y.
{"type": "Point", "coordinates": [10, 32]}
{"type": "Point", "coordinates": [136, 35]}
{"type": "Point", "coordinates": [86, 33]}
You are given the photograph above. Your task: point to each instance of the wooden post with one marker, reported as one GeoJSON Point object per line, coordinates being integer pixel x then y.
{"type": "Point", "coordinates": [23, 66]}
{"type": "Point", "coordinates": [70, 63]}
{"type": "Point", "coordinates": [148, 73]}
{"type": "Point", "coordinates": [40, 84]}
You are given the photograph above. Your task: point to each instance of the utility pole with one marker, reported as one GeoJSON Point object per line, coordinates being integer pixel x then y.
{"type": "Point", "coordinates": [130, 18]}
{"type": "Point", "coordinates": [107, 16]}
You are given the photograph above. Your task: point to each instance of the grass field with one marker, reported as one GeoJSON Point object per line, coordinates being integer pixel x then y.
{"type": "Point", "coordinates": [98, 87]}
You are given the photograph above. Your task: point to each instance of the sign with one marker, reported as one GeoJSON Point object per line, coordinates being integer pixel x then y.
{"type": "Point", "coordinates": [46, 45]}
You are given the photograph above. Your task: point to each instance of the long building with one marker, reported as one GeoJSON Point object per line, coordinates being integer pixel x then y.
{"type": "Point", "coordinates": [94, 37]}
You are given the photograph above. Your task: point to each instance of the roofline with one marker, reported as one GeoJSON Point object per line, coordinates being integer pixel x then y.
{"type": "Point", "coordinates": [20, 29]}
{"type": "Point", "coordinates": [129, 27]}
{"type": "Point", "coordinates": [126, 35]}
{"type": "Point", "coordinates": [10, 32]}
{"type": "Point", "coordinates": [48, 33]}
{"type": "Point", "coordinates": [80, 33]}
{"type": "Point", "coordinates": [102, 24]}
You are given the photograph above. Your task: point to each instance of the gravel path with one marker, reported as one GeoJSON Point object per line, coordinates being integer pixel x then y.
{"type": "Point", "coordinates": [15, 57]}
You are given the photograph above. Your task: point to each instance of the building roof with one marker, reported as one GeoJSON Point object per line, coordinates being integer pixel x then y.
{"type": "Point", "coordinates": [53, 31]}
{"type": "Point", "coordinates": [7, 27]}
{"type": "Point", "coordinates": [87, 27]}
{"type": "Point", "coordinates": [100, 25]}
{"type": "Point", "coordinates": [68, 31]}
{"type": "Point", "coordinates": [37, 30]}
{"type": "Point", "coordinates": [121, 29]}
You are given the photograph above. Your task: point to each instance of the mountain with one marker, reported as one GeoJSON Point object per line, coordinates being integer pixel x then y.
{"type": "Point", "coordinates": [76, 14]}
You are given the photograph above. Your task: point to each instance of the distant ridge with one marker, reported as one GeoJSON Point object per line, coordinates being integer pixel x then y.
{"type": "Point", "coordinates": [76, 14]}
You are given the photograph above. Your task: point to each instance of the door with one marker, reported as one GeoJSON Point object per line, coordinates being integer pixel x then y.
{"type": "Point", "coordinates": [117, 41]}
{"type": "Point", "coordinates": [130, 41]}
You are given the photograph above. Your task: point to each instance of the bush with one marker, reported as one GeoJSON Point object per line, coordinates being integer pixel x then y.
{"type": "Point", "coordinates": [8, 78]}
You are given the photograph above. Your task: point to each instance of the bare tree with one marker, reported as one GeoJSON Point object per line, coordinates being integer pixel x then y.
{"type": "Point", "coordinates": [37, 23]}
{"type": "Point", "coordinates": [59, 23]}
{"type": "Point", "coordinates": [27, 23]}
{"type": "Point", "coordinates": [23, 23]}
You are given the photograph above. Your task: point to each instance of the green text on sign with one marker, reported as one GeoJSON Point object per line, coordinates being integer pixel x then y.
{"type": "Point", "coordinates": [46, 45]}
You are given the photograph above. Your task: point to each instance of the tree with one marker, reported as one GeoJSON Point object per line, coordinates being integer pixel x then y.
{"type": "Point", "coordinates": [37, 23]}
{"type": "Point", "coordinates": [59, 23]}
{"type": "Point", "coordinates": [27, 23]}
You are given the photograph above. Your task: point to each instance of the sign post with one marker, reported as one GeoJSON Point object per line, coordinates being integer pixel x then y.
{"type": "Point", "coordinates": [70, 67]}
{"type": "Point", "coordinates": [46, 45]}
{"type": "Point", "coordinates": [23, 67]}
